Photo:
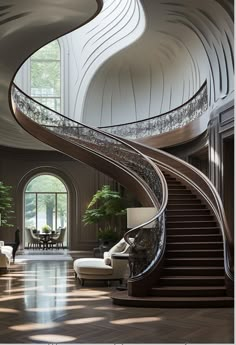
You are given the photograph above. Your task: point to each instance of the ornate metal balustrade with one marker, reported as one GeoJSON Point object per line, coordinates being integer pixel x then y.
{"type": "Point", "coordinates": [166, 122]}
{"type": "Point", "coordinates": [148, 241]}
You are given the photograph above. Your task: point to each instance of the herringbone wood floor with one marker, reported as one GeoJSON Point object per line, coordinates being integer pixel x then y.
{"type": "Point", "coordinates": [41, 302]}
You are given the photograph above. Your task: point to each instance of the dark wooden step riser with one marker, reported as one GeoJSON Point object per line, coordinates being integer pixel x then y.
{"type": "Point", "coordinates": [186, 212]}
{"type": "Point", "coordinates": [192, 282]}
{"type": "Point", "coordinates": [195, 204]}
{"type": "Point", "coordinates": [186, 217]}
{"type": "Point", "coordinates": [196, 262]}
{"type": "Point", "coordinates": [172, 186]}
{"type": "Point", "coordinates": [180, 203]}
{"type": "Point", "coordinates": [173, 191]}
{"type": "Point", "coordinates": [192, 238]}
{"type": "Point", "coordinates": [182, 196]}
{"type": "Point", "coordinates": [191, 246]}
{"type": "Point", "coordinates": [190, 224]}
{"type": "Point", "coordinates": [189, 293]}
{"type": "Point", "coordinates": [193, 231]}
{"type": "Point", "coordinates": [192, 271]}
{"type": "Point", "coordinates": [174, 304]}
{"type": "Point", "coordinates": [194, 254]}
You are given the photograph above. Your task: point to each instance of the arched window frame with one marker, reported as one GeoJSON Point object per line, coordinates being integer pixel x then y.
{"type": "Point", "coordinates": [67, 193]}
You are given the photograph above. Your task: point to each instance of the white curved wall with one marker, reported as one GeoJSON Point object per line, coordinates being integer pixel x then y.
{"type": "Point", "coordinates": [140, 58]}
{"type": "Point", "coordinates": [185, 43]}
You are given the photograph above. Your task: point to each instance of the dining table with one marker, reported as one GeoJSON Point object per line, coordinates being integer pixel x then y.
{"type": "Point", "coordinates": [45, 239]}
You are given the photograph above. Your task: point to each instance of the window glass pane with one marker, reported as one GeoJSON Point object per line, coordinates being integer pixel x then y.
{"type": "Point", "coordinates": [61, 210]}
{"type": "Point", "coordinates": [46, 183]}
{"type": "Point", "coordinates": [30, 210]}
{"type": "Point", "coordinates": [45, 78]}
{"type": "Point", "coordinates": [46, 210]}
{"type": "Point", "coordinates": [50, 52]}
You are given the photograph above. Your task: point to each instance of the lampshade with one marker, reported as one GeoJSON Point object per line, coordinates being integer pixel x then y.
{"type": "Point", "coordinates": [139, 215]}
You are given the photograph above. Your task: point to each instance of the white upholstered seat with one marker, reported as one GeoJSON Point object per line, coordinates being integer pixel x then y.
{"type": "Point", "coordinates": [106, 268]}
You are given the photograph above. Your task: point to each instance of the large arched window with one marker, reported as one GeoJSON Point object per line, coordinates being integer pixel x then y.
{"type": "Point", "coordinates": [45, 76]}
{"type": "Point", "coordinates": [46, 203]}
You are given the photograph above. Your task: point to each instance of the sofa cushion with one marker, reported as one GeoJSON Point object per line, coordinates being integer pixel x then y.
{"type": "Point", "coordinates": [92, 266]}
{"type": "Point", "coordinates": [119, 247]}
{"type": "Point", "coordinates": [107, 261]}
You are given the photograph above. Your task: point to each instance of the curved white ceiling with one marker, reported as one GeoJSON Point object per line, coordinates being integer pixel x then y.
{"type": "Point", "coordinates": [185, 43]}
{"type": "Point", "coordinates": [25, 26]}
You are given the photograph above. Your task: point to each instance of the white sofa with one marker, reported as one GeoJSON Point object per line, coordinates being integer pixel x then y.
{"type": "Point", "coordinates": [5, 255]}
{"type": "Point", "coordinates": [106, 268]}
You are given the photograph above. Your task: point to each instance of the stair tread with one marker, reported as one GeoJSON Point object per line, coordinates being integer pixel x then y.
{"type": "Point", "coordinates": [193, 277]}
{"type": "Point", "coordinates": [192, 221]}
{"type": "Point", "coordinates": [194, 235]}
{"type": "Point", "coordinates": [193, 259]}
{"type": "Point", "coordinates": [187, 288]}
{"type": "Point", "coordinates": [189, 243]}
{"type": "Point", "coordinates": [202, 298]}
{"type": "Point", "coordinates": [203, 227]}
{"type": "Point", "coordinates": [194, 250]}
{"type": "Point", "coordinates": [194, 267]}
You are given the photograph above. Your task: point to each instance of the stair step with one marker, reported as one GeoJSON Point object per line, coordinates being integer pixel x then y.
{"type": "Point", "coordinates": [197, 253]}
{"type": "Point", "coordinates": [122, 298]}
{"type": "Point", "coordinates": [181, 202]}
{"type": "Point", "coordinates": [187, 291]}
{"type": "Point", "coordinates": [176, 186]}
{"type": "Point", "coordinates": [173, 191]}
{"type": "Point", "coordinates": [193, 231]}
{"type": "Point", "coordinates": [194, 245]}
{"type": "Point", "coordinates": [192, 280]}
{"type": "Point", "coordinates": [196, 204]}
{"type": "Point", "coordinates": [182, 196]}
{"type": "Point", "coordinates": [190, 217]}
{"type": "Point", "coordinates": [192, 238]}
{"type": "Point", "coordinates": [190, 224]}
{"type": "Point", "coordinates": [193, 271]}
{"type": "Point", "coordinates": [194, 262]}
{"type": "Point", "coordinates": [187, 212]}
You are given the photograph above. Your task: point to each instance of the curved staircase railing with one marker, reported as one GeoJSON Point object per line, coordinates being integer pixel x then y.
{"type": "Point", "coordinates": [108, 154]}
{"type": "Point", "coordinates": [199, 182]}
{"type": "Point", "coordinates": [166, 122]}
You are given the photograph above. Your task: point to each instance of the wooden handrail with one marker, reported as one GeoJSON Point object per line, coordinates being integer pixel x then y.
{"type": "Point", "coordinates": [203, 186]}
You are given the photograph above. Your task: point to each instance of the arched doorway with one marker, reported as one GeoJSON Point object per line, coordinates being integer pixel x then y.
{"type": "Point", "coordinates": [45, 204]}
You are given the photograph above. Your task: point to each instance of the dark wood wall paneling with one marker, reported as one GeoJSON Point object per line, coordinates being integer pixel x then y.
{"type": "Point", "coordinates": [221, 156]}
{"type": "Point", "coordinates": [18, 166]}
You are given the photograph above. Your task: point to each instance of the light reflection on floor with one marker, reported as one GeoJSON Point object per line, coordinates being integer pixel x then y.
{"type": "Point", "coordinates": [42, 303]}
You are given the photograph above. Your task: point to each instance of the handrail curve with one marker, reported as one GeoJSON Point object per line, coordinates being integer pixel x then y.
{"type": "Point", "coordinates": [165, 122]}
{"type": "Point", "coordinates": [206, 189]}
{"type": "Point", "coordinates": [117, 151]}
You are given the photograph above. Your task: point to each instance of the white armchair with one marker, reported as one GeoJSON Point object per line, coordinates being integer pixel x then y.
{"type": "Point", "coordinates": [5, 255]}
{"type": "Point", "coordinates": [106, 268]}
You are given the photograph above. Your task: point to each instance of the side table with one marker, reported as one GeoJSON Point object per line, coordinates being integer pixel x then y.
{"type": "Point", "coordinates": [119, 256]}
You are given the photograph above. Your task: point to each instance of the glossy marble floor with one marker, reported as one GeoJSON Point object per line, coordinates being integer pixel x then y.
{"type": "Point", "coordinates": [41, 302]}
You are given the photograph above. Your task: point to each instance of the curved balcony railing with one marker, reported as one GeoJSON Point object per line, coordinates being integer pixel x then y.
{"type": "Point", "coordinates": [149, 240]}
{"type": "Point", "coordinates": [163, 123]}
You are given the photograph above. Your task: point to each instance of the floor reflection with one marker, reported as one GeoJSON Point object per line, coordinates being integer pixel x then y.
{"type": "Point", "coordinates": [42, 302]}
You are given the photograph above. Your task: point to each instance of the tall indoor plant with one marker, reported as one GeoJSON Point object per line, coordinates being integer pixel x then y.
{"type": "Point", "coordinates": [110, 206]}
{"type": "Point", "coordinates": [6, 205]}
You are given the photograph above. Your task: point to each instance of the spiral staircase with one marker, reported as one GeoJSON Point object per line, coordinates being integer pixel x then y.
{"type": "Point", "coordinates": [188, 252]}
